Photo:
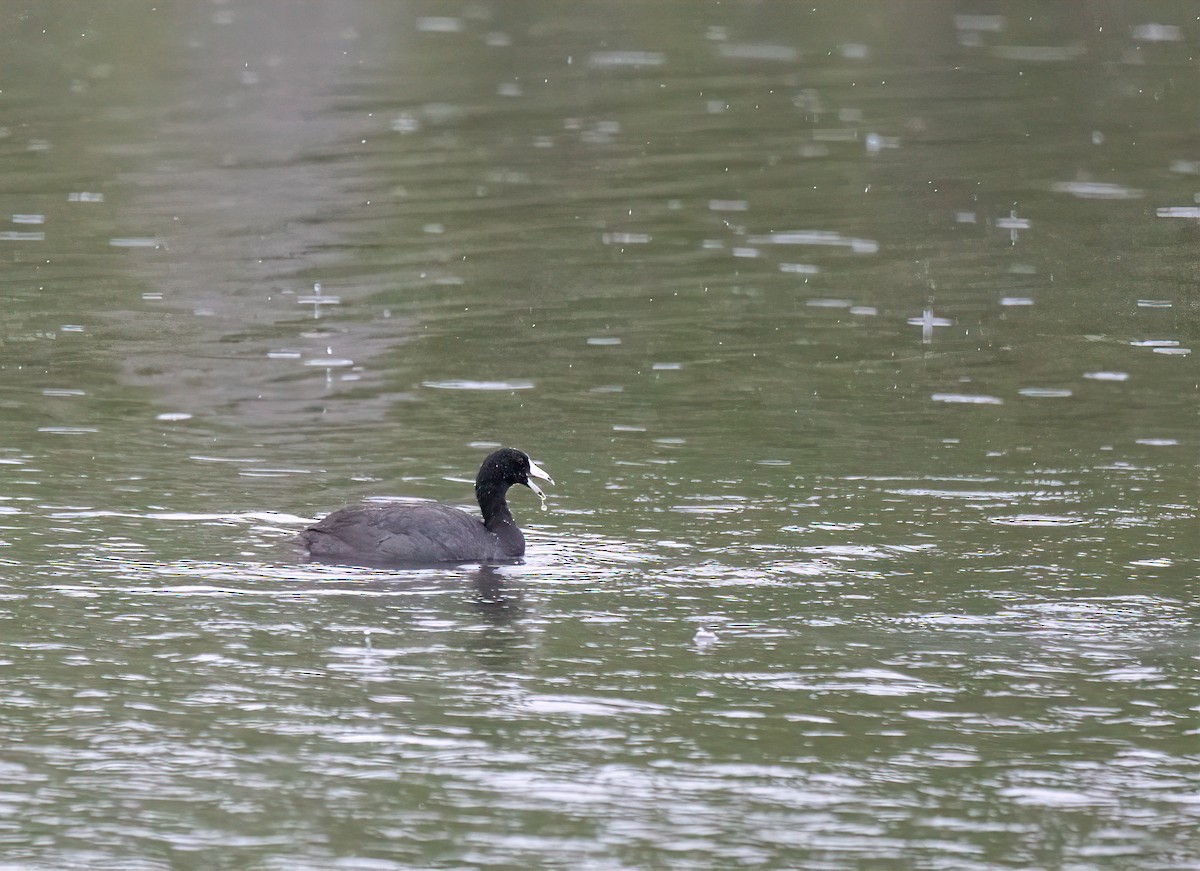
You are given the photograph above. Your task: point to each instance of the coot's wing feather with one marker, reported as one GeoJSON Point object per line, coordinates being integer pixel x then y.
{"type": "Point", "coordinates": [383, 534]}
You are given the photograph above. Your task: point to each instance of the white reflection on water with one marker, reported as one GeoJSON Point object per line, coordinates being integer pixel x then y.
{"type": "Point", "coordinates": [758, 52]}
{"type": "Point", "coordinates": [464, 384]}
{"type": "Point", "coordinates": [1097, 190]}
{"type": "Point", "coordinates": [1038, 520]}
{"type": "Point", "coordinates": [816, 237]}
{"type": "Point", "coordinates": [634, 59]}
{"type": "Point", "coordinates": [967, 399]}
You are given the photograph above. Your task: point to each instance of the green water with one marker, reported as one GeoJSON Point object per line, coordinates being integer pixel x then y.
{"type": "Point", "coordinates": [859, 340]}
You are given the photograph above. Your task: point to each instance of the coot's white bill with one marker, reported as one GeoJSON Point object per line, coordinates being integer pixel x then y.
{"type": "Point", "coordinates": [536, 471]}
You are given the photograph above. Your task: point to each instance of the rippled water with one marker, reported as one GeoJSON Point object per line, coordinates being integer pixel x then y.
{"type": "Point", "coordinates": [859, 342]}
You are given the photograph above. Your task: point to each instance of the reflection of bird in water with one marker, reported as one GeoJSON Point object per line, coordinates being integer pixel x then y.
{"type": "Point", "coordinates": [503, 644]}
{"type": "Point", "coordinates": [490, 593]}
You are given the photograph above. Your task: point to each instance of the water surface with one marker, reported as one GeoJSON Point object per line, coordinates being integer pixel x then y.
{"type": "Point", "coordinates": [860, 342]}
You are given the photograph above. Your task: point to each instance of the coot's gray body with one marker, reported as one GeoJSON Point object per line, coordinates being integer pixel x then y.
{"type": "Point", "coordinates": [426, 533]}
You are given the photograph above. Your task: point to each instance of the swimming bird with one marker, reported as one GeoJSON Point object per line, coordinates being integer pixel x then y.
{"type": "Point", "coordinates": [426, 533]}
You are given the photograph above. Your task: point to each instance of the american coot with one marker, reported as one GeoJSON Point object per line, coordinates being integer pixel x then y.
{"type": "Point", "coordinates": [382, 535]}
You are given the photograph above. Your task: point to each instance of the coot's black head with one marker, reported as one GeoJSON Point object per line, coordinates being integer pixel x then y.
{"type": "Point", "coordinates": [506, 467]}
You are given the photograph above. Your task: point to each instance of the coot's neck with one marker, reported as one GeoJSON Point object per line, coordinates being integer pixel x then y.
{"type": "Point", "coordinates": [496, 516]}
